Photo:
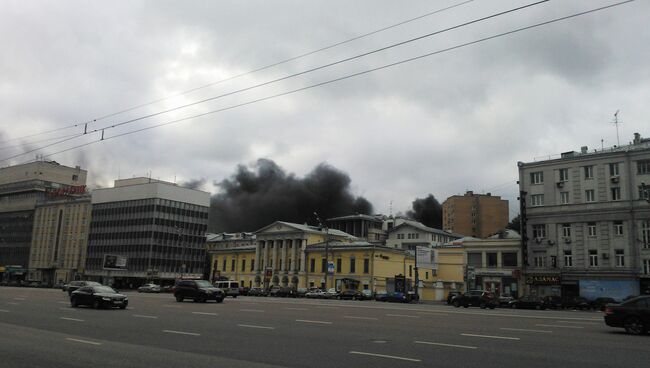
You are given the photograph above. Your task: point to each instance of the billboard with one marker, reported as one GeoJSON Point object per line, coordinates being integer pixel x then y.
{"type": "Point", "coordinates": [426, 258]}
{"type": "Point", "coordinates": [114, 262]}
{"type": "Point", "coordinates": [617, 289]}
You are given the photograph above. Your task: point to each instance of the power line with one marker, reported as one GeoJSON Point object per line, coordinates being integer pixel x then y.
{"type": "Point", "coordinates": [299, 73]}
{"type": "Point", "coordinates": [459, 46]}
{"type": "Point", "coordinates": [244, 73]}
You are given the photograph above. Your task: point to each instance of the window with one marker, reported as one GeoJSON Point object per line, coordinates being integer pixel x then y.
{"type": "Point", "coordinates": [643, 167]}
{"type": "Point", "coordinates": [613, 169]}
{"type": "Point", "coordinates": [509, 259]}
{"type": "Point", "coordinates": [339, 265]}
{"type": "Point", "coordinates": [491, 259]}
{"type": "Point", "coordinates": [646, 266]}
{"type": "Point", "coordinates": [537, 177]}
{"type": "Point", "coordinates": [243, 265]}
{"type": "Point", "coordinates": [590, 195]}
{"type": "Point", "coordinates": [564, 174]}
{"type": "Point", "coordinates": [593, 258]}
{"type": "Point", "coordinates": [620, 257]}
{"type": "Point", "coordinates": [475, 259]}
{"type": "Point", "coordinates": [252, 265]}
{"type": "Point", "coordinates": [223, 265]}
{"type": "Point", "coordinates": [366, 265]}
{"type": "Point", "coordinates": [568, 259]}
{"type": "Point", "coordinates": [400, 236]}
{"type": "Point", "coordinates": [539, 259]}
{"type": "Point", "coordinates": [566, 230]}
{"type": "Point", "coordinates": [232, 265]}
{"type": "Point", "coordinates": [75, 177]}
{"type": "Point", "coordinates": [353, 265]}
{"type": "Point", "coordinates": [618, 227]}
{"type": "Point", "coordinates": [539, 231]}
{"type": "Point", "coordinates": [589, 172]}
{"type": "Point", "coordinates": [616, 193]}
{"type": "Point", "coordinates": [312, 265]}
{"type": "Point", "coordinates": [537, 200]}
{"type": "Point", "coordinates": [564, 197]}
{"type": "Point", "coordinates": [644, 192]}
{"type": "Point", "coordinates": [323, 265]}
{"type": "Point", "coordinates": [591, 228]}
{"type": "Point", "coordinates": [645, 234]}
{"type": "Point", "coordinates": [410, 270]}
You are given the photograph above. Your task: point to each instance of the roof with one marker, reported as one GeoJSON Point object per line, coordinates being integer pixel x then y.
{"type": "Point", "coordinates": [309, 229]}
{"type": "Point", "coordinates": [377, 218]}
{"type": "Point", "coordinates": [214, 237]}
{"type": "Point", "coordinates": [420, 226]}
{"type": "Point", "coordinates": [338, 245]}
{"type": "Point", "coordinates": [505, 234]}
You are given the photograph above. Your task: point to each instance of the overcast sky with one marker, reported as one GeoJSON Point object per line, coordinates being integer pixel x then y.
{"type": "Point", "coordinates": [448, 123]}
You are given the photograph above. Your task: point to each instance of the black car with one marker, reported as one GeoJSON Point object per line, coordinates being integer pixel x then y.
{"type": "Point", "coordinates": [600, 303]}
{"type": "Point", "coordinates": [283, 292]}
{"type": "Point", "coordinates": [98, 297]}
{"type": "Point", "coordinates": [197, 290]}
{"type": "Point", "coordinates": [74, 285]}
{"type": "Point", "coordinates": [633, 315]}
{"type": "Point", "coordinates": [257, 291]}
{"type": "Point", "coordinates": [350, 295]}
{"type": "Point", "coordinates": [452, 295]}
{"type": "Point", "coordinates": [476, 298]}
{"type": "Point", "coordinates": [553, 302]}
{"type": "Point", "coordinates": [576, 302]}
{"type": "Point", "coordinates": [528, 302]}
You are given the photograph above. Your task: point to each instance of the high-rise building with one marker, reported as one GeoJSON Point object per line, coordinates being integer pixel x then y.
{"type": "Point", "coordinates": [146, 229]}
{"type": "Point", "coordinates": [22, 189]}
{"type": "Point", "coordinates": [477, 215]}
{"type": "Point", "coordinates": [586, 221]}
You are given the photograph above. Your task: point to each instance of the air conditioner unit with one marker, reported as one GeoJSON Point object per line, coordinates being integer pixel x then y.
{"type": "Point", "coordinates": [550, 242]}
{"type": "Point", "coordinates": [538, 240]}
{"type": "Point", "coordinates": [560, 184]}
{"type": "Point", "coordinates": [614, 179]}
{"type": "Point", "coordinates": [605, 255]}
{"type": "Point", "coordinates": [567, 240]}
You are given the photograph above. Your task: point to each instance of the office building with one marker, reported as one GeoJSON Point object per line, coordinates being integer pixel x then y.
{"type": "Point", "coordinates": [476, 215]}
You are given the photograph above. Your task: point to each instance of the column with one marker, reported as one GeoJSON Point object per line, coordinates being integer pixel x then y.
{"type": "Point", "coordinates": [302, 254]}
{"type": "Point", "coordinates": [258, 256]}
{"type": "Point", "coordinates": [283, 255]}
{"type": "Point", "coordinates": [265, 256]}
{"type": "Point", "coordinates": [274, 254]}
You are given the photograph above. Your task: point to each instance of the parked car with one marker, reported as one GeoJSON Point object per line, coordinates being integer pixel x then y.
{"type": "Point", "coordinates": [633, 315]}
{"type": "Point", "coordinates": [315, 294]}
{"type": "Point", "coordinates": [167, 289]}
{"type": "Point", "coordinates": [600, 303]}
{"type": "Point", "coordinates": [350, 294]}
{"type": "Point", "coordinates": [149, 288]}
{"type": "Point", "coordinates": [257, 291]}
{"type": "Point", "coordinates": [300, 292]}
{"type": "Point", "coordinates": [528, 302]}
{"type": "Point", "coordinates": [381, 296]}
{"type": "Point", "coordinates": [331, 293]}
{"type": "Point", "coordinates": [366, 294]}
{"type": "Point", "coordinates": [283, 292]}
{"type": "Point", "coordinates": [274, 290]}
{"type": "Point", "coordinates": [452, 295]}
{"type": "Point", "coordinates": [74, 285]}
{"type": "Point", "coordinates": [553, 302]}
{"type": "Point", "coordinates": [476, 298]}
{"type": "Point", "coordinates": [198, 290]}
{"type": "Point", "coordinates": [243, 290]}
{"type": "Point", "coordinates": [504, 300]}
{"type": "Point", "coordinates": [98, 296]}
{"type": "Point", "coordinates": [576, 302]}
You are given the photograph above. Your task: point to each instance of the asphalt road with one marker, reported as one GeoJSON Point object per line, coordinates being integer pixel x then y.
{"type": "Point", "coordinates": [38, 328]}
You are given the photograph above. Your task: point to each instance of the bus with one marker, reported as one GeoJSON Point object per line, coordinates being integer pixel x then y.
{"type": "Point", "coordinates": [231, 288]}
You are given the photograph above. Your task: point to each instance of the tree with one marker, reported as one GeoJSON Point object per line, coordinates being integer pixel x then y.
{"type": "Point", "coordinates": [515, 224]}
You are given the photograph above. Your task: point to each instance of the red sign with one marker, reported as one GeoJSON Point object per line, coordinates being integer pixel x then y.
{"type": "Point", "coordinates": [67, 191]}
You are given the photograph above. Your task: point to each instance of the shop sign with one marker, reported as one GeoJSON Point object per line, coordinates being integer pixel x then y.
{"type": "Point", "coordinates": [543, 280]}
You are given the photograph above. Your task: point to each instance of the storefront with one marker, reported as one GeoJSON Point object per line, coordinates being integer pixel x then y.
{"type": "Point", "coordinates": [544, 284]}
{"type": "Point", "coordinates": [498, 282]}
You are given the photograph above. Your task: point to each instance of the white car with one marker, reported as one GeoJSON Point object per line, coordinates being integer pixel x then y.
{"type": "Point", "coordinates": [149, 288]}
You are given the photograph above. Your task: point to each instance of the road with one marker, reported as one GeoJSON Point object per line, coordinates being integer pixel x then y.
{"type": "Point", "coordinates": [40, 329]}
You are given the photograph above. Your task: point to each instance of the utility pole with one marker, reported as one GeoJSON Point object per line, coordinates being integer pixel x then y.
{"type": "Point", "coordinates": [327, 246]}
{"type": "Point", "coordinates": [417, 275]}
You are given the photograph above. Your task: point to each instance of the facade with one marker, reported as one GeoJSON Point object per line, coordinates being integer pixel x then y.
{"type": "Point", "coordinates": [60, 240]}
{"type": "Point", "coordinates": [477, 215]}
{"type": "Point", "coordinates": [158, 228]}
{"type": "Point", "coordinates": [22, 188]}
{"type": "Point", "coordinates": [449, 273]}
{"type": "Point", "coordinates": [363, 227]}
{"type": "Point", "coordinates": [409, 234]}
{"type": "Point", "coordinates": [586, 218]}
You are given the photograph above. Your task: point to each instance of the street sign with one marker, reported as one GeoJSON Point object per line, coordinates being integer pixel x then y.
{"type": "Point", "coordinates": [330, 268]}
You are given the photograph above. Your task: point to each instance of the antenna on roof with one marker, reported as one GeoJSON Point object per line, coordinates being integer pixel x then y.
{"type": "Point", "coordinates": [390, 208]}
{"type": "Point", "coordinates": [616, 122]}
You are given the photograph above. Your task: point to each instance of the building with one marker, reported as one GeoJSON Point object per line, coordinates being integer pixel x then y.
{"type": "Point", "coordinates": [146, 229]}
{"type": "Point", "coordinates": [586, 217]}
{"type": "Point", "coordinates": [477, 215]}
{"type": "Point", "coordinates": [60, 240]}
{"type": "Point", "coordinates": [408, 234]}
{"type": "Point", "coordinates": [22, 188]}
{"type": "Point", "coordinates": [363, 227]}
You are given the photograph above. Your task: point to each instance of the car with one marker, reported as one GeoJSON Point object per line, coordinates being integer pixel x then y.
{"type": "Point", "coordinates": [576, 302]}
{"type": "Point", "coordinates": [282, 291]}
{"type": "Point", "coordinates": [350, 294]}
{"type": "Point", "coordinates": [300, 292]}
{"type": "Point", "coordinates": [381, 296]}
{"type": "Point", "coordinates": [257, 291]}
{"type": "Point", "coordinates": [98, 296]}
{"type": "Point", "coordinates": [504, 300]}
{"type": "Point", "coordinates": [528, 302]}
{"type": "Point", "coordinates": [315, 294]}
{"type": "Point", "coordinates": [476, 298]}
{"type": "Point", "coordinates": [397, 297]}
{"type": "Point", "coordinates": [633, 315]}
{"type": "Point", "coordinates": [553, 302]}
{"type": "Point", "coordinates": [366, 294]}
{"type": "Point", "coordinates": [452, 295]}
{"type": "Point", "coordinates": [74, 285]}
{"type": "Point", "coordinates": [331, 293]}
{"type": "Point", "coordinates": [243, 290]}
{"type": "Point", "coordinates": [149, 288]}
{"type": "Point", "coordinates": [197, 290]}
{"type": "Point", "coordinates": [167, 289]}
{"type": "Point", "coordinates": [600, 303]}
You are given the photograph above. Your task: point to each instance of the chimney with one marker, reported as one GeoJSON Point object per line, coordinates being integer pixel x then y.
{"type": "Point", "coordinates": [637, 138]}
{"type": "Point", "coordinates": [584, 149]}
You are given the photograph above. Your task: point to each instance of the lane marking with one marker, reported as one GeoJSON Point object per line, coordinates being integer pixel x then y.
{"type": "Point", "coordinates": [326, 307]}
{"type": "Point", "coordinates": [448, 345]}
{"type": "Point", "coordinates": [298, 309]}
{"type": "Point", "coordinates": [4, 311]}
{"type": "Point", "coordinates": [311, 321]}
{"type": "Point", "coordinates": [255, 326]}
{"type": "Point", "coordinates": [402, 315]}
{"type": "Point", "coordinates": [206, 313]}
{"type": "Point", "coordinates": [355, 317]}
{"type": "Point", "coordinates": [252, 310]}
{"type": "Point", "coordinates": [579, 322]}
{"type": "Point", "coordinates": [560, 326]}
{"type": "Point", "coordinates": [63, 302]}
{"type": "Point", "coordinates": [171, 306]}
{"type": "Point", "coordinates": [181, 332]}
{"type": "Point", "coordinates": [12, 303]}
{"type": "Point", "coordinates": [144, 316]}
{"type": "Point", "coordinates": [385, 356]}
{"type": "Point", "coordinates": [435, 313]}
{"type": "Point", "coordinates": [491, 337]}
{"type": "Point", "coordinates": [68, 309]}
{"type": "Point", "coordinates": [524, 330]}
{"type": "Point", "coordinates": [19, 298]}
{"type": "Point", "coordinates": [83, 341]}
{"type": "Point", "coordinates": [72, 319]}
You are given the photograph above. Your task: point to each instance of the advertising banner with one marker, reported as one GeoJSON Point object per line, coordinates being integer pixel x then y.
{"type": "Point", "coordinates": [426, 258]}
{"type": "Point", "coordinates": [114, 262]}
{"type": "Point", "coordinates": [617, 289]}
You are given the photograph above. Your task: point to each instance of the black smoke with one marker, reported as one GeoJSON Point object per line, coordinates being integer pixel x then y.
{"type": "Point", "coordinates": [255, 197]}
{"type": "Point", "coordinates": [428, 211]}
{"type": "Point", "coordinates": [193, 184]}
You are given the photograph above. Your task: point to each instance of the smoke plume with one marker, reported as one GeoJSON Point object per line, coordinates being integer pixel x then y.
{"type": "Point", "coordinates": [193, 184]}
{"type": "Point", "coordinates": [427, 211]}
{"type": "Point", "coordinates": [255, 197]}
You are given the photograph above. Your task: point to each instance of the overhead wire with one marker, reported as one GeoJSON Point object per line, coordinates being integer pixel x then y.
{"type": "Point", "coordinates": [459, 46]}
{"type": "Point", "coordinates": [310, 70]}
{"type": "Point", "coordinates": [284, 61]}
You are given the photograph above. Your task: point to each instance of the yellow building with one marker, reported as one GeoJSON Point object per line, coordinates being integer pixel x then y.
{"type": "Point", "coordinates": [449, 274]}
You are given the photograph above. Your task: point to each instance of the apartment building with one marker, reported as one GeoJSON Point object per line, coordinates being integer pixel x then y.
{"type": "Point", "coordinates": [586, 221]}
{"type": "Point", "coordinates": [476, 215]}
